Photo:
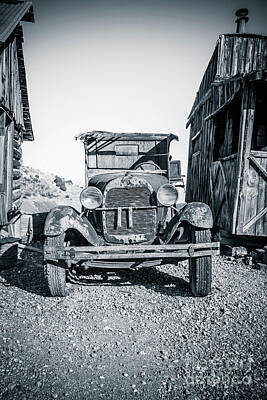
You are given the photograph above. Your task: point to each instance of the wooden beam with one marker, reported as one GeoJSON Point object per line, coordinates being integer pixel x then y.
{"type": "Point", "coordinates": [231, 157]}
{"type": "Point", "coordinates": [3, 151]}
{"type": "Point", "coordinates": [196, 136]}
{"type": "Point", "coordinates": [197, 153]}
{"type": "Point", "coordinates": [223, 106]}
{"type": "Point", "coordinates": [258, 153]}
{"type": "Point", "coordinates": [255, 164]}
{"type": "Point", "coordinates": [255, 219]}
{"type": "Point", "coordinates": [244, 146]}
{"type": "Point", "coordinates": [9, 167]}
{"type": "Point", "coordinates": [205, 98]}
{"type": "Point", "coordinates": [2, 147]}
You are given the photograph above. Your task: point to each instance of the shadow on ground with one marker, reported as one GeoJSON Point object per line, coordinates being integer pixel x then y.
{"type": "Point", "coordinates": [150, 277]}
{"type": "Point", "coordinates": [28, 275]}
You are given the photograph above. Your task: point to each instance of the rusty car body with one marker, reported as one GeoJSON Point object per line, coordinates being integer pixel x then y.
{"type": "Point", "coordinates": [130, 216]}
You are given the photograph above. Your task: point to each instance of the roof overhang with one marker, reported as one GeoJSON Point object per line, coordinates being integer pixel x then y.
{"type": "Point", "coordinates": [11, 13]}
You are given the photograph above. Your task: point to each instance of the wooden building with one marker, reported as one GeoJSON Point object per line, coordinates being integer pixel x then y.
{"type": "Point", "coordinates": [15, 121]}
{"type": "Point", "coordinates": [228, 134]}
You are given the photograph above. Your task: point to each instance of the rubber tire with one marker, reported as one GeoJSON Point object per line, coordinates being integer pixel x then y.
{"type": "Point", "coordinates": [200, 268]}
{"type": "Point", "coordinates": [55, 274]}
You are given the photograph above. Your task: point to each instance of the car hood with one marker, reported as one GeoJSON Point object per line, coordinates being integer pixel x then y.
{"type": "Point", "coordinates": [100, 181]}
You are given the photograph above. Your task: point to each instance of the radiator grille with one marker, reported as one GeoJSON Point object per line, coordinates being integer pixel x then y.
{"type": "Point", "coordinates": [143, 220]}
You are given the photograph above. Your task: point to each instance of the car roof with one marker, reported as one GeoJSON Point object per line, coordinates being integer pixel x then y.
{"type": "Point", "coordinates": [99, 135]}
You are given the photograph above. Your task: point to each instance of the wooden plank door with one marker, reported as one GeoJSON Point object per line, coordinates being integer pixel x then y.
{"type": "Point", "coordinates": [219, 196]}
{"type": "Point", "coordinates": [254, 199]}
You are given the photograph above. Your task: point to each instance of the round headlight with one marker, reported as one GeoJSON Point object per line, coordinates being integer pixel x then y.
{"type": "Point", "coordinates": [167, 195]}
{"type": "Point", "coordinates": [91, 197]}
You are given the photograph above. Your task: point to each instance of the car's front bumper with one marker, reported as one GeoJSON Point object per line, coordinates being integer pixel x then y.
{"type": "Point", "coordinates": [133, 252]}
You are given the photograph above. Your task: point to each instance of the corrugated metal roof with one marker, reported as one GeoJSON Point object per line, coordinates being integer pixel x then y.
{"type": "Point", "coordinates": [11, 13]}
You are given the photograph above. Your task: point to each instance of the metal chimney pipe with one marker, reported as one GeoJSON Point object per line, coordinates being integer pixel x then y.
{"type": "Point", "coordinates": [241, 20]}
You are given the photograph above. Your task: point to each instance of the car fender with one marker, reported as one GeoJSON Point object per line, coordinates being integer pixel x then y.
{"type": "Point", "coordinates": [62, 218]}
{"type": "Point", "coordinates": [195, 213]}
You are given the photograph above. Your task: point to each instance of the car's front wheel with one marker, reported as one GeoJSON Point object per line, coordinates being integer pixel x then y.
{"type": "Point", "coordinates": [200, 268]}
{"type": "Point", "coordinates": [55, 271]}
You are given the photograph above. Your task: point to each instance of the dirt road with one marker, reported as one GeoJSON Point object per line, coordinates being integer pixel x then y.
{"type": "Point", "coordinates": [135, 335]}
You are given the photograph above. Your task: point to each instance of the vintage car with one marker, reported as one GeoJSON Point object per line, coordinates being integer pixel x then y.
{"type": "Point", "coordinates": [130, 215]}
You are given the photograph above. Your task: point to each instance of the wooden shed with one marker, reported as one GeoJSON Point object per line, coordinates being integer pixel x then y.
{"type": "Point", "coordinates": [15, 121]}
{"type": "Point", "coordinates": [228, 134]}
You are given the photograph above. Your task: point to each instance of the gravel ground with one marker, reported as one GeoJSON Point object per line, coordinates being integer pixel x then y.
{"type": "Point", "coordinates": [138, 334]}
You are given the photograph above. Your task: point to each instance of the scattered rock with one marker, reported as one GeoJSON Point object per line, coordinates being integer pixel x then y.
{"type": "Point", "coordinates": [171, 344]}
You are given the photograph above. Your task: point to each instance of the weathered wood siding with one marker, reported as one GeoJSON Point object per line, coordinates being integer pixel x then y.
{"type": "Point", "coordinates": [239, 54]}
{"type": "Point", "coordinates": [234, 55]}
{"type": "Point", "coordinates": [219, 180]}
{"type": "Point", "coordinates": [10, 89]}
{"type": "Point", "coordinates": [10, 162]}
{"type": "Point", "coordinates": [12, 117]}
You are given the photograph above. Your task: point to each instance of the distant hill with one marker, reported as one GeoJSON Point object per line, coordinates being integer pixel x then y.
{"type": "Point", "coordinates": [41, 191]}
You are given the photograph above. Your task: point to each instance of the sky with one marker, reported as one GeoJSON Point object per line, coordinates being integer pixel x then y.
{"type": "Point", "coordinates": [120, 66]}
